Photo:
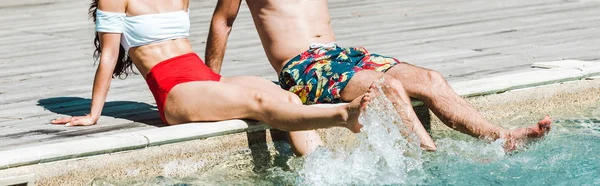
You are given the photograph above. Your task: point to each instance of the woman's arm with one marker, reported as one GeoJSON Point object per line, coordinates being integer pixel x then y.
{"type": "Point", "coordinates": [110, 43]}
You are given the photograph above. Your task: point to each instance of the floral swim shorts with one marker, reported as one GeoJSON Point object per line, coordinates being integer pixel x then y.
{"type": "Point", "coordinates": [319, 74]}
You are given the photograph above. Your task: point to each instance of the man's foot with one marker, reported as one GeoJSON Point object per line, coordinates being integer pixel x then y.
{"type": "Point", "coordinates": [354, 109]}
{"type": "Point", "coordinates": [518, 137]}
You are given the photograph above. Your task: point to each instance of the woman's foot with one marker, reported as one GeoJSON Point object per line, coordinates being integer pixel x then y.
{"type": "Point", "coordinates": [518, 137]}
{"type": "Point", "coordinates": [354, 109]}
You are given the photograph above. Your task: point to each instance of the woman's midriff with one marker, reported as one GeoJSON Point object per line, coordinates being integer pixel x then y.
{"type": "Point", "coordinates": [147, 56]}
{"type": "Point", "coordinates": [161, 76]}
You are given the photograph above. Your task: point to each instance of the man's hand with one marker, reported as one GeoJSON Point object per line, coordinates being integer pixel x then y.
{"type": "Point", "coordinates": [87, 120]}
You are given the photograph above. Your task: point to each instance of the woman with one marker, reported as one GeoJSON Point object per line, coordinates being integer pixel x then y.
{"type": "Point", "coordinates": [153, 36]}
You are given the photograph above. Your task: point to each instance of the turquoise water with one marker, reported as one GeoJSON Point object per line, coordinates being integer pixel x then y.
{"type": "Point", "coordinates": [386, 154]}
{"type": "Point", "coordinates": [570, 155]}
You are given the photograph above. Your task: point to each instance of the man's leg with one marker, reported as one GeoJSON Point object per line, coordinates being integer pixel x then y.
{"type": "Point", "coordinates": [431, 87]}
{"type": "Point", "coordinates": [394, 90]}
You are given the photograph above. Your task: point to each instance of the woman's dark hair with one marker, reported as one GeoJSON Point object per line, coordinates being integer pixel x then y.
{"type": "Point", "coordinates": [123, 61]}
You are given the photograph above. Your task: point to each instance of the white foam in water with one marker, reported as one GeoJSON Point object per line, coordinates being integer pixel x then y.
{"type": "Point", "coordinates": [181, 167]}
{"type": "Point", "coordinates": [383, 154]}
{"type": "Point", "coordinates": [472, 150]}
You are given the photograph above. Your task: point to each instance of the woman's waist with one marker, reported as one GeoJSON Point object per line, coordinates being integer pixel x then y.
{"type": "Point", "coordinates": [147, 56]}
{"type": "Point", "coordinates": [179, 69]}
{"type": "Point", "coordinates": [182, 67]}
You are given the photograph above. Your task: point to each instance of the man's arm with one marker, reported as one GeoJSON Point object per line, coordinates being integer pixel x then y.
{"type": "Point", "coordinates": [220, 27]}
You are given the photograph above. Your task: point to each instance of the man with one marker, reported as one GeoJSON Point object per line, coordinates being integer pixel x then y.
{"type": "Point", "coordinates": [300, 47]}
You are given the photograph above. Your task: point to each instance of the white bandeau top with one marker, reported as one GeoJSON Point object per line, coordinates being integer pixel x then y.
{"type": "Point", "coordinates": [144, 29]}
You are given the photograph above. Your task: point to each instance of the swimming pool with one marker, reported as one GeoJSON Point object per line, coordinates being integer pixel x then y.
{"type": "Point", "coordinates": [567, 156]}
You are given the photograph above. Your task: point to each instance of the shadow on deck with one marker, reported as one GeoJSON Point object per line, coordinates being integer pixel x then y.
{"type": "Point", "coordinates": [75, 106]}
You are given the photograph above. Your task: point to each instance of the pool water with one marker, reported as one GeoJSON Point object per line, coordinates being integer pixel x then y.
{"type": "Point", "coordinates": [569, 155]}
{"type": "Point", "coordinates": [385, 153]}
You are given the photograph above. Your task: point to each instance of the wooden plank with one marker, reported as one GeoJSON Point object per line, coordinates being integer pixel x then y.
{"type": "Point", "coordinates": [46, 48]}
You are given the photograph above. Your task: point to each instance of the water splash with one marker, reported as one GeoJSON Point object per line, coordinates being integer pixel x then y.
{"type": "Point", "coordinates": [387, 152]}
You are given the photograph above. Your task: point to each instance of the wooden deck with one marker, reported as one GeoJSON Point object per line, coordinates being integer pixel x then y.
{"type": "Point", "coordinates": [46, 69]}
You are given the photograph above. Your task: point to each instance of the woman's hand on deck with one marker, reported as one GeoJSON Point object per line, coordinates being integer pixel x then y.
{"type": "Point", "coordinates": [75, 121]}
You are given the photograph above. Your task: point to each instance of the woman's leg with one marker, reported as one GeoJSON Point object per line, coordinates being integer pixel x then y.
{"type": "Point", "coordinates": [303, 142]}
{"type": "Point", "coordinates": [216, 101]}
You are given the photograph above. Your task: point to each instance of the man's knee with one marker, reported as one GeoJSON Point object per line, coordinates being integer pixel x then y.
{"type": "Point", "coordinates": [393, 83]}
{"type": "Point", "coordinates": [428, 76]}
{"type": "Point", "coordinates": [437, 83]}
{"type": "Point", "coordinates": [435, 77]}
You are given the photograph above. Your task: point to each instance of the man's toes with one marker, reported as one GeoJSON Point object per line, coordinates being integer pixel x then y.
{"type": "Point", "coordinates": [545, 124]}
{"type": "Point", "coordinates": [546, 127]}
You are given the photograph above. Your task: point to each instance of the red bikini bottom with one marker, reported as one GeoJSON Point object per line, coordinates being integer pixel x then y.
{"type": "Point", "coordinates": [166, 74]}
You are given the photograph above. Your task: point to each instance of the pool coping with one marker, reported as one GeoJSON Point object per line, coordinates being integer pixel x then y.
{"type": "Point", "coordinates": [551, 73]}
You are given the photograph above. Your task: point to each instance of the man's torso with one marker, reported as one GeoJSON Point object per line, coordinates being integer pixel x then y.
{"type": "Point", "coordinates": [288, 27]}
